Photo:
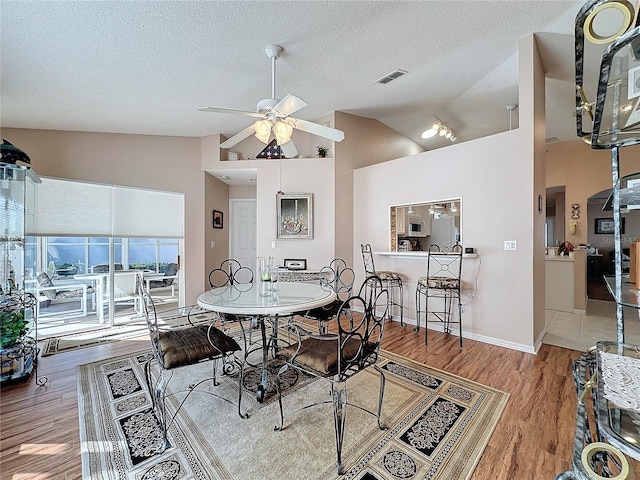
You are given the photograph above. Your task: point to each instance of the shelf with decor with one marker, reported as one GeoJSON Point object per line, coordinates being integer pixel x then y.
{"type": "Point", "coordinates": [607, 377]}
{"type": "Point", "coordinates": [18, 320]}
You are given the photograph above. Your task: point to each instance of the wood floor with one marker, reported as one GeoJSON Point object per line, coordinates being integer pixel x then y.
{"type": "Point", "coordinates": [533, 440]}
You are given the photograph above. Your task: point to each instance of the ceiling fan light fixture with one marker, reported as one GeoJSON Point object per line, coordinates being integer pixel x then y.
{"type": "Point", "coordinates": [453, 208]}
{"type": "Point", "coordinates": [283, 132]}
{"type": "Point", "coordinates": [432, 209]}
{"type": "Point", "coordinates": [263, 130]}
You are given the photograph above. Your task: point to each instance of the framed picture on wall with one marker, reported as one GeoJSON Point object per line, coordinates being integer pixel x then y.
{"type": "Point", "coordinates": [218, 219]}
{"type": "Point", "coordinates": [604, 226]}
{"type": "Point", "coordinates": [295, 215]}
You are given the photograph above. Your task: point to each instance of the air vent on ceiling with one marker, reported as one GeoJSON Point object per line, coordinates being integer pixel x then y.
{"type": "Point", "coordinates": [391, 76]}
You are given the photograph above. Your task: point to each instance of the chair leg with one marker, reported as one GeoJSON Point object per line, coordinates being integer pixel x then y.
{"type": "Point", "coordinates": [279, 392]}
{"type": "Point", "coordinates": [460, 318]}
{"type": "Point", "coordinates": [401, 305]}
{"type": "Point", "coordinates": [418, 298]}
{"type": "Point", "coordinates": [426, 316]}
{"type": "Point", "coordinates": [339, 398]}
{"type": "Point", "coordinates": [383, 381]}
{"type": "Point", "coordinates": [157, 393]}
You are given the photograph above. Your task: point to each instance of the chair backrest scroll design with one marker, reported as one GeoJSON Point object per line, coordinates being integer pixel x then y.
{"type": "Point", "coordinates": [360, 329]}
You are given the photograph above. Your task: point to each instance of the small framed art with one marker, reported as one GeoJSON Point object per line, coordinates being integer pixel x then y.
{"type": "Point", "coordinates": [604, 226]}
{"type": "Point", "coordinates": [218, 219]}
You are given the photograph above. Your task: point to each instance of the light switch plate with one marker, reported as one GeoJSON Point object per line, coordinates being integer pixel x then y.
{"type": "Point", "coordinates": [510, 245]}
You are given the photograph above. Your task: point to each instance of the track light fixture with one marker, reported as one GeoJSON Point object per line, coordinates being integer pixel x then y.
{"type": "Point", "coordinates": [439, 128]}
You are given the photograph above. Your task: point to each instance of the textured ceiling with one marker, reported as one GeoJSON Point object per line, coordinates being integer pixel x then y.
{"type": "Point", "coordinates": [145, 67]}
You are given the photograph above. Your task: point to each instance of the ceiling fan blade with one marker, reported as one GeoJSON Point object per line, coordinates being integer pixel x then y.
{"type": "Point", "coordinates": [238, 137]}
{"type": "Point", "coordinates": [227, 110]}
{"type": "Point", "coordinates": [317, 129]}
{"type": "Point", "coordinates": [289, 149]}
{"type": "Point", "coordinates": [288, 105]}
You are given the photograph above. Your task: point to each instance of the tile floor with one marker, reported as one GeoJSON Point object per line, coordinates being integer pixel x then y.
{"type": "Point", "coordinates": [579, 332]}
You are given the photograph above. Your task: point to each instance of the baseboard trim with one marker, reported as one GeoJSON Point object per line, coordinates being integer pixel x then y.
{"type": "Point", "coordinates": [533, 349]}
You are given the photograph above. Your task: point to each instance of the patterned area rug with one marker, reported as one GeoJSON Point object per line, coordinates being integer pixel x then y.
{"type": "Point", "coordinates": [439, 424]}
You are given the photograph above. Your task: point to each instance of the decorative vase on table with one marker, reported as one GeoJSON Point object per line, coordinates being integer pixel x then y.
{"type": "Point", "coordinates": [264, 266]}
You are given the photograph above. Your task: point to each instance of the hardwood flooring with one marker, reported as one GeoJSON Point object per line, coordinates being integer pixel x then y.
{"type": "Point", "coordinates": [533, 440]}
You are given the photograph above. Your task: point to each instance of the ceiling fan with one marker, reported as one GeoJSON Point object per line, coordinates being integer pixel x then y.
{"type": "Point", "coordinates": [274, 117]}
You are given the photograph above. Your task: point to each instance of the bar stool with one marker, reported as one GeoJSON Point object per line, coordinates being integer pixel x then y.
{"type": "Point", "coordinates": [391, 281]}
{"type": "Point", "coordinates": [442, 282]}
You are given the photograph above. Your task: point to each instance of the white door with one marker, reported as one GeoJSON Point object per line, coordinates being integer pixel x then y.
{"type": "Point", "coordinates": [243, 231]}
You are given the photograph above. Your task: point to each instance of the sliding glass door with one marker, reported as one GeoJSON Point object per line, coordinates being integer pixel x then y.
{"type": "Point", "coordinates": [90, 261]}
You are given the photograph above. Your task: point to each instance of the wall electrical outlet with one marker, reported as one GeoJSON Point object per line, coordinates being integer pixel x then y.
{"type": "Point", "coordinates": [510, 245]}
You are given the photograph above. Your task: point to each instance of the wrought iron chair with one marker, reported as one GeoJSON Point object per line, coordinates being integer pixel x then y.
{"type": "Point", "coordinates": [175, 347]}
{"type": "Point", "coordinates": [337, 276]}
{"type": "Point", "coordinates": [230, 272]}
{"type": "Point", "coordinates": [338, 357]}
{"type": "Point", "coordinates": [391, 281]}
{"type": "Point", "coordinates": [442, 282]}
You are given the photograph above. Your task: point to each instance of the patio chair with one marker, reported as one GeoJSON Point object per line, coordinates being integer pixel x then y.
{"type": "Point", "coordinates": [168, 279]}
{"type": "Point", "coordinates": [49, 293]}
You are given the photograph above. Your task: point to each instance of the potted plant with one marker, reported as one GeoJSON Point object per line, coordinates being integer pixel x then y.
{"type": "Point", "coordinates": [13, 327]}
{"type": "Point", "coordinates": [322, 151]}
{"type": "Point", "coordinates": [15, 354]}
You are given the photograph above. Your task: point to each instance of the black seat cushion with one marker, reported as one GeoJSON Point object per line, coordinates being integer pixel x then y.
{"type": "Point", "coordinates": [324, 313]}
{"type": "Point", "coordinates": [185, 346]}
{"type": "Point", "coordinates": [321, 354]}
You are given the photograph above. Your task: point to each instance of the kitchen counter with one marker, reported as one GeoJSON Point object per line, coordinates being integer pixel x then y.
{"type": "Point", "coordinates": [413, 254]}
{"type": "Point", "coordinates": [566, 282]}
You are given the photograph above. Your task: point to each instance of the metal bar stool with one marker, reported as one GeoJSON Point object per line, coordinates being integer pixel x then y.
{"type": "Point", "coordinates": [391, 281]}
{"type": "Point", "coordinates": [442, 282]}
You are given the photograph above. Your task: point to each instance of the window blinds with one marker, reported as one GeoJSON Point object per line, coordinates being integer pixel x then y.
{"type": "Point", "coordinates": [81, 209]}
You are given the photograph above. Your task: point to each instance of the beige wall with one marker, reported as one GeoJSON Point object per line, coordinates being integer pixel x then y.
{"type": "Point", "coordinates": [531, 100]}
{"type": "Point", "coordinates": [366, 142]}
{"type": "Point", "coordinates": [154, 162]}
{"type": "Point", "coordinates": [584, 172]}
{"type": "Point", "coordinates": [216, 198]}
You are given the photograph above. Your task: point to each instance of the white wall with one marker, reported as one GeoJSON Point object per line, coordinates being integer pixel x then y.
{"type": "Point", "coordinates": [478, 172]}
{"type": "Point", "coordinates": [308, 175]}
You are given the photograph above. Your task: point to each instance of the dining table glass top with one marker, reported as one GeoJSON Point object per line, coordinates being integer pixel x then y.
{"type": "Point", "coordinates": [246, 299]}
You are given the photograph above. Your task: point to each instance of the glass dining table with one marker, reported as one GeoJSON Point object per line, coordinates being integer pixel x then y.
{"type": "Point", "coordinates": [254, 301]}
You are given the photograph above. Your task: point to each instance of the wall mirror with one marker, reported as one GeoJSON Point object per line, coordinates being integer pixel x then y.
{"type": "Point", "coordinates": [415, 226]}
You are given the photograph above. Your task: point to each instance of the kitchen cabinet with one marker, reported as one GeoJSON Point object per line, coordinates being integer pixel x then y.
{"type": "Point", "coordinates": [401, 221]}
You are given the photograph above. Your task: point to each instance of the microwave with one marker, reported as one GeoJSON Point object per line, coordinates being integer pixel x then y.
{"type": "Point", "coordinates": [415, 227]}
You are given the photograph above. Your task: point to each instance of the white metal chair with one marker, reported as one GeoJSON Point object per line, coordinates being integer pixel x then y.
{"type": "Point", "coordinates": [126, 288]}
{"type": "Point", "coordinates": [442, 285]}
